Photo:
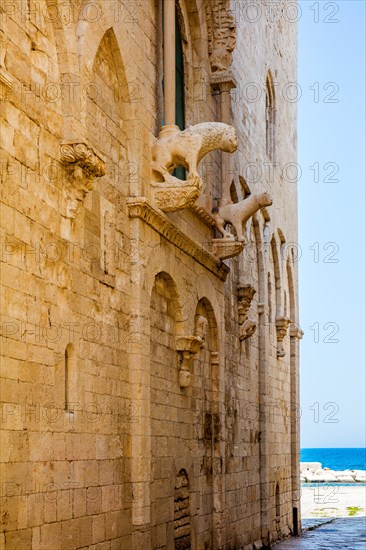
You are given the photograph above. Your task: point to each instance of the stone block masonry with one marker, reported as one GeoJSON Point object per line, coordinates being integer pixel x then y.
{"type": "Point", "coordinates": [149, 400]}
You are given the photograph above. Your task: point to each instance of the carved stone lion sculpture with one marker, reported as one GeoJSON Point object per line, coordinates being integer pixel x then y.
{"type": "Point", "coordinates": [238, 214]}
{"type": "Point", "coordinates": [186, 148]}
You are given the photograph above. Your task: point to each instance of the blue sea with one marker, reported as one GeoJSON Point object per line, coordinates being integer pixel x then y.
{"type": "Point", "coordinates": [336, 459]}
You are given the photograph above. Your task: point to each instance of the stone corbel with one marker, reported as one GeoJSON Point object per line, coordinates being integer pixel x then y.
{"type": "Point", "coordinates": [225, 248]}
{"type": "Point", "coordinates": [295, 332]}
{"type": "Point", "coordinates": [282, 324]}
{"type": "Point", "coordinates": [186, 148]}
{"type": "Point", "coordinates": [82, 166]}
{"type": "Point", "coordinates": [187, 347]}
{"type": "Point", "coordinates": [247, 326]}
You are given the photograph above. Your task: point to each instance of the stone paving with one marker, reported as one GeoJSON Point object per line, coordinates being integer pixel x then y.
{"type": "Point", "coordinates": [339, 533]}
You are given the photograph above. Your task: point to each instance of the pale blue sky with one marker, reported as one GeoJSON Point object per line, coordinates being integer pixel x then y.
{"type": "Point", "coordinates": [333, 382]}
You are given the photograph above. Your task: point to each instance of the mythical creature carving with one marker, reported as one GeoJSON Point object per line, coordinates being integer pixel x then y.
{"type": "Point", "coordinates": [186, 148]}
{"type": "Point", "coordinates": [238, 214]}
{"type": "Point", "coordinates": [82, 166]}
{"type": "Point", "coordinates": [221, 35]}
{"type": "Point", "coordinates": [247, 326]}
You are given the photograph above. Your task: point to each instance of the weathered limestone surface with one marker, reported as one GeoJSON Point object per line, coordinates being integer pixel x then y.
{"type": "Point", "coordinates": [144, 405]}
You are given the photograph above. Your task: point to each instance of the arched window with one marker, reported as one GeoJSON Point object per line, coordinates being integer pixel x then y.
{"type": "Point", "coordinates": [270, 117]}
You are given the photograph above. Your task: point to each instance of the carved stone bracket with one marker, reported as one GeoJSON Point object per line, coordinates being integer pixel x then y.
{"type": "Point", "coordinates": [226, 248]}
{"type": "Point", "coordinates": [282, 324]}
{"type": "Point", "coordinates": [140, 208]}
{"type": "Point", "coordinates": [247, 326]}
{"type": "Point", "coordinates": [187, 347]}
{"type": "Point", "coordinates": [186, 148]}
{"type": "Point", "coordinates": [82, 166]}
{"type": "Point", "coordinates": [296, 332]}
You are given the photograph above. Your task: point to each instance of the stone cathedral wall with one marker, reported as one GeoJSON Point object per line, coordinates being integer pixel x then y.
{"type": "Point", "coordinates": [117, 432]}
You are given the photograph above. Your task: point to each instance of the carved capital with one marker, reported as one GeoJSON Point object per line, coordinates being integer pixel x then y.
{"type": "Point", "coordinates": [79, 153]}
{"type": "Point", "coordinates": [282, 324]}
{"type": "Point", "coordinates": [82, 165]}
{"type": "Point", "coordinates": [187, 347]}
{"type": "Point", "coordinates": [295, 332]}
{"type": "Point", "coordinates": [222, 82]}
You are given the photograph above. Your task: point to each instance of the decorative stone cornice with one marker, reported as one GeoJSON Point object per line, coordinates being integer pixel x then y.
{"type": "Point", "coordinates": [187, 347]}
{"type": "Point", "coordinates": [226, 248]}
{"type": "Point", "coordinates": [140, 208]}
{"type": "Point", "coordinates": [5, 78]}
{"type": "Point", "coordinates": [82, 165]}
{"type": "Point", "coordinates": [296, 332]}
{"type": "Point", "coordinates": [203, 214]}
{"type": "Point", "coordinates": [247, 326]}
{"type": "Point", "coordinates": [282, 324]}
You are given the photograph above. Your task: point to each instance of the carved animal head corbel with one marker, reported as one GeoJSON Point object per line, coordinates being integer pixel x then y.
{"type": "Point", "coordinates": [82, 166]}
{"type": "Point", "coordinates": [187, 347]}
{"type": "Point", "coordinates": [247, 326]}
{"type": "Point", "coordinates": [282, 324]}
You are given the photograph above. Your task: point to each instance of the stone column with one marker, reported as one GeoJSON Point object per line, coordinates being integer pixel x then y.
{"type": "Point", "coordinates": [217, 451]}
{"type": "Point", "coordinates": [139, 371]}
{"type": "Point", "coordinates": [223, 84]}
{"type": "Point", "coordinates": [169, 62]}
{"type": "Point", "coordinates": [295, 335]}
{"type": "Point", "coordinates": [263, 421]}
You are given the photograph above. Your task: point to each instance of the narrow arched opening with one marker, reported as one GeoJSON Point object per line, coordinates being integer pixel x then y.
{"type": "Point", "coordinates": [270, 117]}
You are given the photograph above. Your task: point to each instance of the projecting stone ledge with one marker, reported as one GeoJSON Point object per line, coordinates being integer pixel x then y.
{"type": "Point", "coordinates": [226, 248]}
{"type": "Point", "coordinates": [139, 207]}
